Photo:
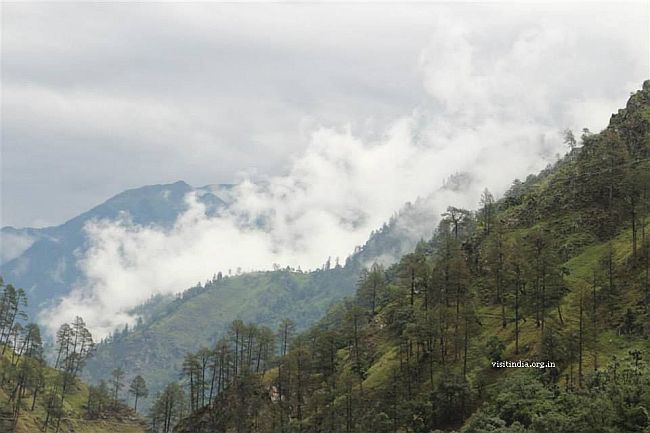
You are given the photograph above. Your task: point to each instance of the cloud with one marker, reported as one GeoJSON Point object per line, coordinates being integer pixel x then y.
{"type": "Point", "coordinates": [193, 91]}
{"type": "Point", "coordinates": [496, 93]}
{"type": "Point", "coordinates": [201, 91]}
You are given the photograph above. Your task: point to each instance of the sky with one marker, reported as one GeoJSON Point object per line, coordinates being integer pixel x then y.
{"type": "Point", "coordinates": [101, 97]}
{"type": "Point", "coordinates": [329, 116]}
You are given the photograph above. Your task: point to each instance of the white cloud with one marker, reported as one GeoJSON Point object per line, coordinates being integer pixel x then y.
{"type": "Point", "coordinates": [494, 107]}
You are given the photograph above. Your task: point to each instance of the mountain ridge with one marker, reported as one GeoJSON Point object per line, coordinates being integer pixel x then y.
{"type": "Point", "coordinates": [47, 267]}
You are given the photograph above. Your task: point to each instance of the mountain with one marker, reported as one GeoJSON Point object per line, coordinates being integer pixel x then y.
{"type": "Point", "coordinates": [528, 315]}
{"type": "Point", "coordinates": [44, 261]}
{"type": "Point", "coordinates": [168, 327]}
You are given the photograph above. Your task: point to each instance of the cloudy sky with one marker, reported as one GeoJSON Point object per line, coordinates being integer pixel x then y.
{"type": "Point", "coordinates": [101, 97]}
{"type": "Point", "coordinates": [345, 111]}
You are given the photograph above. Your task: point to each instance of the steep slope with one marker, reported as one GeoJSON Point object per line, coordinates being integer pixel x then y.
{"type": "Point", "coordinates": [44, 261]}
{"type": "Point", "coordinates": [39, 397]}
{"type": "Point", "coordinates": [117, 420]}
{"type": "Point", "coordinates": [557, 271]}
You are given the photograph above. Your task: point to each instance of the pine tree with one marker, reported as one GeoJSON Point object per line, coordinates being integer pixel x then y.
{"type": "Point", "coordinates": [138, 389]}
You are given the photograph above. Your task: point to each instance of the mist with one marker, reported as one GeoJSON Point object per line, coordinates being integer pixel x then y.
{"type": "Point", "coordinates": [492, 110]}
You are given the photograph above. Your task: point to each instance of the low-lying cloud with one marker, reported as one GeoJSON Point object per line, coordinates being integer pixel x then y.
{"type": "Point", "coordinates": [492, 109]}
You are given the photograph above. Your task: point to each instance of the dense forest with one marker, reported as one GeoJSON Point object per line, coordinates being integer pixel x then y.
{"type": "Point", "coordinates": [553, 277]}
{"type": "Point", "coordinates": [37, 395]}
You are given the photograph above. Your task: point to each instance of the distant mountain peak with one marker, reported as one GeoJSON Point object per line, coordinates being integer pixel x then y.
{"type": "Point", "coordinates": [31, 258]}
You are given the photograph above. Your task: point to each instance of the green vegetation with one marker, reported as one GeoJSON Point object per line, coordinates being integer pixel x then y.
{"type": "Point", "coordinates": [76, 418]}
{"type": "Point", "coordinates": [155, 348]}
{"type": "Point", "coordinates": [557, 270]}
{"type": "Point", "coordinates": [38, 398]}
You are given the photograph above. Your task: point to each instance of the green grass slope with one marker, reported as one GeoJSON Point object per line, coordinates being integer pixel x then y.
{"type": "Point", "coordinates": [116, 420]}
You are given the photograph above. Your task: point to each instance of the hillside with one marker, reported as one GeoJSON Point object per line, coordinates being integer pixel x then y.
{"type": "Point", "coordinates": [36, 396]}
{"type": "Point", "coordinates": [171, 326]}
{"type": "Point", "coordinates": [155, 349]}
{"type": "Point", "coordinates": [555, 273]}
{"type": "Point", "coordinates": [31, 421]}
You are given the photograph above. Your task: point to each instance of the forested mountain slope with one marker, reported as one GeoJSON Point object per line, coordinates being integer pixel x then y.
{"type": "Point", "coordinates": [155, 349]}
{"type": "Point", "coordinates": [556, 272]}
{"type": "Point", "coordinates": [171, 326]}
